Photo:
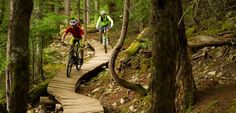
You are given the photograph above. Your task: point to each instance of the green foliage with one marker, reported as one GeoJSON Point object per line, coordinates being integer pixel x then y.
{"type": "Point", "coordinates": [190, 31]}
{"type": "Point", "coordinates": [212, 105]}
{"type": "Point", "coordinates": [4, 25]}
{"type": "Point", "coordinates": [232, 108]}
{"type": "Point", "coordinates": [140, 12]}
{"type": "Point", "coordinates": [52, 55]}
{"type": "Point", "coordinates": [2, 88]}
{"type": "Point", "coordinates": [47, 26]}
{"type": "Point", "coordinates": [2, 51]}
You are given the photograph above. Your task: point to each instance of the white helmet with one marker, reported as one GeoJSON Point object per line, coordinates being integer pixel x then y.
{"type": "Point", "coordinates": [102, 12]}
{"type": "Point", "coordinates": [73, 22]}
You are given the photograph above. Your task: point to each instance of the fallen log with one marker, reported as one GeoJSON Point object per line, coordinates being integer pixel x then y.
{"type": "Point", "coordinates": [47, 101]}
{"type": "Point", "coordinates": [141, 42]}
{"type": "Point", "coordinates": [199, 44]}
{"type": "Point", "coordinates": [36, 92]}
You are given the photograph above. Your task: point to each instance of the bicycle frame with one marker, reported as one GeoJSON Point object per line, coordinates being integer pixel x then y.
{"type": "Point", "coordinates": [75, 58]}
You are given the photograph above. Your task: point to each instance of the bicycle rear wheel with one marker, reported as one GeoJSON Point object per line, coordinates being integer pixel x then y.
{"type": "Point", "coordinates": [69, 66]}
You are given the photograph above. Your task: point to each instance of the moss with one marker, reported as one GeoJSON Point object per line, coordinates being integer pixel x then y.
{"type": "Point", "coordinates": [190, 31]}
{"type": "Point", "coordinates": [211, 105]}
{"type": "Point", "coordinates": [189, 109]}
{"type": "Point", "coordinates": [145, 65]}
{"type": "Point", "coordinates": [232, 108]}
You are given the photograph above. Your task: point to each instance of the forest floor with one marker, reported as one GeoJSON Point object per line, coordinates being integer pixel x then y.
{"type": "Point", "coordinates": [214, 71]}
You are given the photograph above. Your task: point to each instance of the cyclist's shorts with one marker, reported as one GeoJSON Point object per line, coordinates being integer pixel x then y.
{"type": "Point", "coordinates": [101, 29]}
{"type": "Point", "coordinates": [74, 41]}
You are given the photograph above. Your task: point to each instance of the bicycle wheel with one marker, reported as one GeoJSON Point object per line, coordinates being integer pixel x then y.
{"type": "Point", "coordinates": [69, 66]}
{"type": "Point", "coordinates": [105, 42]}
{"type": "Point", "coordinates": [79, 63]}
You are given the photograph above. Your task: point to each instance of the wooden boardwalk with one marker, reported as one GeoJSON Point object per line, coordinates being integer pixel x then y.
{"type": "Point", "coordinates": [63, 88]}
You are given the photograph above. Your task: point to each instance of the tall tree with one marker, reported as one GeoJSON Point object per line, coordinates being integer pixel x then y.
{"type": "Point", "coordinates": [39, 4]}
{"type": "Point", "coordinates": [2, 10]}
{"type": "Point", "coordinates": [17, 73]}
{"type": "Point", "coordinates": [172, 86]}
{"type": "Point", "coordinates": [136, 87]}
{"type": "Point", "coordinates": [68, 9]}
{"type": "Point", "coordinates": [78, 10]}
{"type": "Point", "coordinates": [185, 85]}
{"type": "Point", "coordinates": [85, 18]}
{"type": "Point", "coordinates": [88, 11]}
{"type": "Point", "coordinates": [96, 9]}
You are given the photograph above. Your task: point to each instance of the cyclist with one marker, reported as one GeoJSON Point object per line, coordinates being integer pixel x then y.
{"type": "Point", "coordinates": [104, 22]}
{"type": "Point", "coordinates": [77, 33]}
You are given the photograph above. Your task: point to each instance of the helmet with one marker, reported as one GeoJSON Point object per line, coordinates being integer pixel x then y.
{"type": "Point", "coordinates": [73, 22]}
{"type": "Point", "coordinates": [102, 12]}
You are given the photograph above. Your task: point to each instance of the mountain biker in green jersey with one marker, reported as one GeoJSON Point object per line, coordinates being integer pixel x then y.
{"type": "Point", "coordinates": [104, 23]}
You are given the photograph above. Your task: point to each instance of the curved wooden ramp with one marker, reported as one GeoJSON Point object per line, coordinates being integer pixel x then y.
{"type": "Point", "coordinates": [63, 88]}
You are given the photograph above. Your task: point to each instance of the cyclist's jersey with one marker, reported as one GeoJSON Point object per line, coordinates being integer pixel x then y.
{"type": "Point", "coordinates": [77, 32]}
{"type": "Point", "coordinates": [104, 21]}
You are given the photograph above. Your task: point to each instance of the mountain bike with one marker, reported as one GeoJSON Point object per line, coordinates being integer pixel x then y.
{"type": "Point", "coordinates": [75, 58]}
{"type": "Point", "coordinates": [105, 39]}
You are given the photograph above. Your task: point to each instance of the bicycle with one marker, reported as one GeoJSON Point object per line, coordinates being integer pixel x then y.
{"type": "Point", "coordinates": [75, 57]}
{"type": "Point", "coordinates": [105, 38]}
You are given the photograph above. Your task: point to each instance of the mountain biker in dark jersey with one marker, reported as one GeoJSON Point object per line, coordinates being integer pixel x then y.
{"type": "Point", "coordinates": [76, 32]}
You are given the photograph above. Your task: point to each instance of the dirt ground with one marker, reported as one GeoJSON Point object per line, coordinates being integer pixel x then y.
{"type": "Point", "coordinates": [214, 70]}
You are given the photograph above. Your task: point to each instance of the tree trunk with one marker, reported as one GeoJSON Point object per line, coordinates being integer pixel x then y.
{"type": "Point", "coordinates": [33, 59]}
{"type": "Point", "coordinates": [96, 9]}
{"type": "Point", "coordinates": [85, 18]}
{"type": "Point", "coordinates": [136, 87]}
{"type": "Point", "coordinates": [172, 86]}
{"type": "Point", "coordinates": [2, 10]}
{"type": "Point", "coordinates": [185, 84]}
{"type": "Point", "coordinates": [164, 52]}
{"type": "Point", "coordinates": [88, 11]}
{"type": "Point", "coordinates": [68, 9]}
{"type": "Point", "coordinates": [17, 72]}
{"type": "Point", "coordinates": [39, 45]}
{"type": "Point", "coordinates": [78, 10]}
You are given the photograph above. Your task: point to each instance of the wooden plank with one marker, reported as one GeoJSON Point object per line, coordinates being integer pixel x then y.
{"type": "Point", "coordinates": [63, 88]}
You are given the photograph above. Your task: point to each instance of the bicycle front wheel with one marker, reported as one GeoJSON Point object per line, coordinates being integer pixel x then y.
{"type": "Point", "coordinates": [69, 66]}
{"type": "Point", "coordinates": [79, 64]}
{"type": "Point", "coordinates": [105, 43]}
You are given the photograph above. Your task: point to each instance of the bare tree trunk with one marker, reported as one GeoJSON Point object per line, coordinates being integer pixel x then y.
{"type": "Point", "coordinates": [164, 52]}
{"type": "Point", "coordinates": [33, 59]}
{"type": "Point", "coordinates": [88, 11]}
{"type": "Point", "coordinates": [96, 9]}
{"type": "Point", "coordinates": [56, 7]}
{"type": "Point", "coordinates": [136, 87]}
{"type": "Point", "coordinates": [78, 10]}
{"type": "Point", "coordinates": [68, 9]}
{"type": "Point", "coordinates": [185, 84]}
{"type": "Point", "coordinates": [17, 73]}
{"type": "Point", "coordinates": [173, 86]}
{"type": "Point", "coordinates": [2, 10]}
{"type": "Point", "coordinates": [39, 46]}
{"type": "Point", "coordinates": [85, 18]}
